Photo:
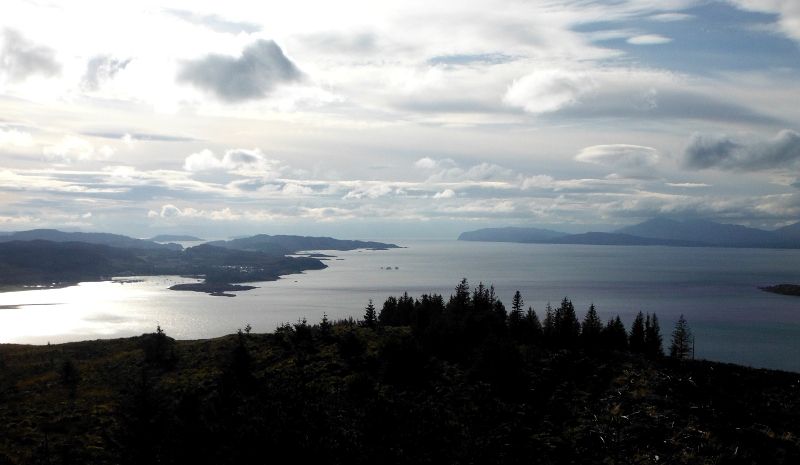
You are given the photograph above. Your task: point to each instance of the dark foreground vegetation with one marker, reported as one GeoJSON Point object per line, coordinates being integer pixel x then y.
{"type": "Point", "coordinates": [428, 380]}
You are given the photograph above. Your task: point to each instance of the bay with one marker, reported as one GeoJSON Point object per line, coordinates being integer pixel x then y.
{"type": "Point", "coordinates": [715, 288]}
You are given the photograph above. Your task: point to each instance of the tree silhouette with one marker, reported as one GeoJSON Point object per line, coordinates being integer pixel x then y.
{"type": "Point", "coordinates": [567, 327]}
{"type": "Point", "coordinates": [549, 325]}
{"type": "Point", "coordinates": [682, 343]}
{"type": "Point", "coordinates": [653, 341]}
{"type": "Point", "coordinates": [370, 317]}
{"type": "Point", "coordinates": [591, 328]}
{"type": "Point", "coordinates": [614, 336]}
{"type": "Point", "coordinates": [532, 328]}
{"type": "Point", "coordinates": [325, 328]}
{"type": "Point", "coordinates": [636, 336]}
{"type": "Point", "coordinates": [515, 317]}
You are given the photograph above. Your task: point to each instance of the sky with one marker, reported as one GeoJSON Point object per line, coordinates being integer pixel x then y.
{"type": "Point", "coordinates": [408, 119]}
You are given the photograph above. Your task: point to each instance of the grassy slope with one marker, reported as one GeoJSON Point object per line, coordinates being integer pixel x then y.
{"type": "Point", "coordinates": [372, 396]}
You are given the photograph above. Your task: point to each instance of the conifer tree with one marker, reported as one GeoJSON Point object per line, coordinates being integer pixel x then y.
{"type": "Point", "coordinates": [567, 327]}
{"type": "Point", "coordinates": [370, 318]}
{"type": "Point", "coordinates": [654, 345]}
{"type": "Point", "coordinates": [636, 336]}
{"type": "Point", "coordinates": [515, 317]}
{"type": "Point", "coordinates": [591, 328]}
{"type": "Point", "coordinates": [325, 328]}
{"type": "Point", "coordinates": [532, 328]}
{"type": "Point", "coordinates": [461, 298]}
{"type": "Point", "coordinates": [614, 335]}
{"type": "Point", "coordinates": [682, 342]}
{"type": "Point", "coordinates": [548, 327]}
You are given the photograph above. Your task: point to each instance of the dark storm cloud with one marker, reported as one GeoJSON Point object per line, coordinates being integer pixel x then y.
{"type": "Point", "coordinates": [21, 58]}
{"type": "Point", "coordinates": [216, 23]}
{"type": "Point", "coordinates": [261, 67]}
{"type": "Point", "coordinates": [725, 153]}
{"type": "Point", "coordinates": [100, 69]}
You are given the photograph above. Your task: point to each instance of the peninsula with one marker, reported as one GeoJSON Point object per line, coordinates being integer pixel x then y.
{"type": "Point", "coordinates": [53, 258]}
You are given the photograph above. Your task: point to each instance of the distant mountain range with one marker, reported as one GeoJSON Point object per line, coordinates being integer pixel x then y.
{"type": "Point", "coordinates": [112, 240]}
{"type": "Point", "coordinates": [657, 231]}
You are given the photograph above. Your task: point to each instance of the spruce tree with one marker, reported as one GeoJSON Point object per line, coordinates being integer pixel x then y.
{"type": "Point", "coordinates": [370, 318]}
{"type": "Point", "coordinates": [548, 327]}
{"type": "Point", "coordinates": [654, 343]}
{"type": "Point", "coordinates": [682, 342]}
{"type": "Point", "coordinates": [532, 328]}
{"type": "Point", "coordinates": [325, 328]}
{"type": "Point", "coordinates": [591, 328]}
{"type": "Point", "coordinates": [515, 317]}
{"type": "Point", "coordinates": [567, 327]}
{"type": "Point", "coordinates": [614, 335]}
{"type": "Point", "coordinates": [636, 336]}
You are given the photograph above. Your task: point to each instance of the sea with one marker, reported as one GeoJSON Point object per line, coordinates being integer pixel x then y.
{"type": "Point", "coordinates": [716, 289]}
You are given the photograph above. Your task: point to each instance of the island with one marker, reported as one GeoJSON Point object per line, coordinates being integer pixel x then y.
{"type": "Point", "coordinates": [784, 289]}
{"type": "Point", "coordinates": [215, 289]}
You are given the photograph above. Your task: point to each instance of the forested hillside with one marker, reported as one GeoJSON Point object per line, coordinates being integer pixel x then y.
{"type": "Point", "coordinates": [436, 380]}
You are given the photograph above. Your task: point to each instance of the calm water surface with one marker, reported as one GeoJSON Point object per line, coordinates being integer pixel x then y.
{"type": "Point", "coordinates": [716, 289]}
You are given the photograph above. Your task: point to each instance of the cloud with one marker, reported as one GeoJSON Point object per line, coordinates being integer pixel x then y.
{"type": "Point", "coordinates": [465, 60]}
{"type": "Point", "coordinates": [670, 17]}
{"type": "Point", "coordinates": [21, 58]}
{"type": "Point", "coordinates": [649, 39]}
{"type": "Point", "coordinates": [358, 44]}
{"type": "Point", "coordinates": [172, 212]}
{"type": "Point", "coordinates": [478, 173]}
{"type": "Point", "coordinates": [371, 191]}
{"type": "Point", "coordinates": [236, 159]}
{"type": "Point", "coordinates": [73, 148]}
{"type": "Point", "coordinates": [261, 67]}
{"type": "Point", "coordinates": [547, 91]}
{"type": "Point", "coordinates": [788, 11]}
{"type": "Point", "coordinates": [445, 194]}
{"type": "Point", "coordinates": [292, 188]}
{"type": "Point", "coordinates": [619, 155]}
{"type": "Point", "coordinates": [737, 154]}
{"type": "Point", "coordinates": [428, 163]}
{"type": "Point", "coordinates": [215, 23]}
{"type": "Point", "coordinates": [15, 138]}
{"type": "Point", "coordinates": [129, 137]}
{"type": "Point", "coordinates": [101, 69]}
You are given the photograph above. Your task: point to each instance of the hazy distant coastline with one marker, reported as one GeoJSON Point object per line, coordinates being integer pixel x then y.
{"type": "Point", "coordinates": [657, 231]}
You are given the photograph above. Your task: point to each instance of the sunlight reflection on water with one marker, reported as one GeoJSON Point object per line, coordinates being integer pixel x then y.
{"type": "Point", "coordinates": [717, 290]}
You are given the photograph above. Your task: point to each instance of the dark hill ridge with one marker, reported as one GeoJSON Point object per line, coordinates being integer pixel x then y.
{"type": "Point", "coordinates": [113, 240]}
{"type": "Point", "coordinates": [511, 234]}
{"type": "Point", "coordinates": [283, 244]}
{"type": "Point", "coordinates": [709, 232]}
{"type": "Point", "coordinates": [657, 231]}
